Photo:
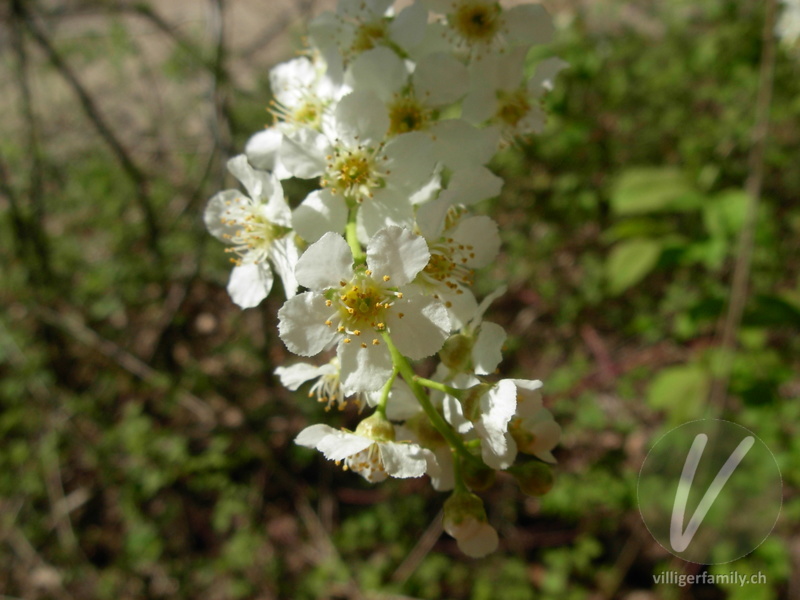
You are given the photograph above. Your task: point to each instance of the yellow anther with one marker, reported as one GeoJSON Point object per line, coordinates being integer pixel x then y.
{"type": "Point", "coordinates": [386, 278]}
{"type": "Point", "coordinates": [347, 340]}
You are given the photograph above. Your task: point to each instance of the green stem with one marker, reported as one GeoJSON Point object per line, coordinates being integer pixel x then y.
{"type": "Point", "coordinates": [385, 394]}
{"type": "Point", "coordinates": [435, 385]}
{"type": "Point", "coordinates": [352, 236]}
{"type": "Point", "coordinates": [402, 365]}
{"type": "Point", "coordinates": [458, 479]}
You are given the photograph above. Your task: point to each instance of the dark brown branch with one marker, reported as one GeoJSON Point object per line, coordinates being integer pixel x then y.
{"type": "Point", "coordinates": [34, 230]}
{"type": "Point", "coordinates": [134, 173]}
{"type": "Point", "coordinates": [755, 179]}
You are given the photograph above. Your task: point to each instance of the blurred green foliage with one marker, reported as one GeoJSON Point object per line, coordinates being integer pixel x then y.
{"type": "Point", "coordinates": [147, 449]}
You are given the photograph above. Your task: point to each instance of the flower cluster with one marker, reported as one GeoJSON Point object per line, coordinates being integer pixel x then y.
{"type": "Point", "coordinates": [396, 115]}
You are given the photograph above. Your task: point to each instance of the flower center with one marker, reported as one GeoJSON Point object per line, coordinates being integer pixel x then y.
{"type": "Point", "coordinates": [251, 242]}
{"type": "Point", "coordinates": [476, 21]}
{"type": "Point", "coordinates": [363, 304]}
{"type": "Point", "coordinates": [448, 265]}
{"type": "Point", "coordinates": [368, 35]}
{"type": "Point", "coordinates": [307, 113]}
{"type": "Point", "coordinates": [368, 463]}
{"type": "Point", "coordinates": [513, 106]}
{"type": "Point", "coordinates": [353, 173]}
{"type": "Point", "coordinates": [407, 114]}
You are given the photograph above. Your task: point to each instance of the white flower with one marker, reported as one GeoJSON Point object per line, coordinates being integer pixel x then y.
{"type": "Point", "coordinates": [328, 386]}
{"type": "Point", "coordinates": [258, 227]}
{"type": "Point", "coordinates": [458, 246]}
{"type": "Point", "coordinates": [360, 25]}
{"type": "Point", "coordinates": [483, 27]}
{"type": "Point", "coordinates": [533, 427]}
{"type": "Point", "coordinates": [353, 307]}
{"type": "Point", "coordinates": [412, 99]}
{"type": "Point", "coordinates": [371, 451]}
{"type": "Point", "coordinates": [359, 167]}
{"type": "Point", "coordinates": [488, 410]}
{"type": "Point", "coordinates": [302, 93]}
{"type": "Point", "coordinates": [500, 96]}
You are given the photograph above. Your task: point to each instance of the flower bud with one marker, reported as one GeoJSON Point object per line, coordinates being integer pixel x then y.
{"type": "Point", "coordinates": [477, 477]}
{"type": "Point", "coordinates": [471, 400]}
{"type": "Point", "coordinates": [376, 427]}
{"type": "Point", "coordinates": [456, 353]}
{"type": "Point", "coordinates": [534, 478]}
{"type": "Point", "coordinates": [465, 520]}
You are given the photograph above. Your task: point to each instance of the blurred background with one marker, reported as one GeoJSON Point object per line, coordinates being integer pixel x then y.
{"type": "Point", "coordinates": [145, 445]}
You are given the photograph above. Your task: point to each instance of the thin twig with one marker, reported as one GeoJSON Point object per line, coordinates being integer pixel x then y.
{"type": "Point", "coordinates": [73, 324]}
{"type": "Point", "coordinates": [418, 553]}
{"type": "Point", "coordinates": [134, 173]}
{"type": "Point", "coordinates": [744, 256]}
{"type": "Point", "coordinates": [36, 233]}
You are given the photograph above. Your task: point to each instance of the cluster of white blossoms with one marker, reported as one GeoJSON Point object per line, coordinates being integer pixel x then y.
{"type": "Point", "coordinates": [396, 115]}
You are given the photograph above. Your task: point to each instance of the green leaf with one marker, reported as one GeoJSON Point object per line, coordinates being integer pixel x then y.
{"type": "Point", "coordinates": [724, 214]}
{"type": "Point", "coordinates": [629, 262]}
{"type": "Point", "coordinates": [651, 189]}
{"type": "Point", "coordinates": [680, 391]}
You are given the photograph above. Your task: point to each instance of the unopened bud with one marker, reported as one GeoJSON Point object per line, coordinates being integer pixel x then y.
{"type": "Point", "coordinates": [471, 400]}
{"type": "Point", "coordinates": [465, 520]}
{"type": "Point", "coordinates": [477, 477]}
{"type": "Point", "coordinates": [456, 353]}
{"type": "Point", "coordinates": [376, 427]}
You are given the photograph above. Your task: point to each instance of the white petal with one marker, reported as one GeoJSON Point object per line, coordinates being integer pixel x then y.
{"type": "Point", "coordinates": [407, 29]}
{"type": "Point", "coordinates": [378, 70]}
{"type": "Point", "coordinates": [364, 369]}
{"type": "Point", "coordinates": [313, 434]}
{"type": "Point", "coordinates": [459, 145]}
{"type": "Point", "coordinates": [284, 256]}
{"type": "Point", "coordinates": [386, 208]}
{"type": "Point", "coordinates": [341, 444]}
{"type": "Point", "coordinates": [318, 214]}
{"type": "Point", "coordinates": [361, 118]}
{"type": "Point", "coordinates": [460, 307]}
{"type": "Point", "coordinates": [302, 324]}
{"type": "Point", "coordinates": [411, 161]}
{"type": "Point", "coordinates": [402, 404]}
{"type": "Point", "coordinates": [403, 460]}
{"type": "Point", "coordinates": [486, 302]}
{"type": "Point", "coordinates": [498, 450]}
{"type": "Point", "coordinates": [499, 404]}
{"type": "Point", "coordinates": [303, 153]}
{"type": "Point", "coordinates": [213, 215]}
{"type": "Point", "coordinates": [483, 541]}
{"type": "Point", "coordinates": [440, 79]}
{"type": "Point", "coordinates": [430, 218]}
{"type": "Point", "coordinates": [470, 186]}
{"type": "Point", "coordinates": [325, 263]}
{"type": "Point", "coordinates": [292, 377]}
{"type": "Point", "coordinates": [544, 75]}
{"type": "Point", "coordinates": [488, 349]}
{"type": "Point", "coordinates": [454, 414]}
{"type": "Point", "coordinates": [263, 152]}
{"type": "Point", "coordinates": [479, 105]}
{"type": "Point", "coordinates": [547, 434]}
{"type": "Point", "coordinates": [482, 234]}
{"type": "Point", "coordinates": [249, 284]}
{"type": "Point", "coordinates": [528, 24]}
{"type": "Point", "coordinates": [423, 328]}
{"type": "Point", "coordinates": [397, 253]}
